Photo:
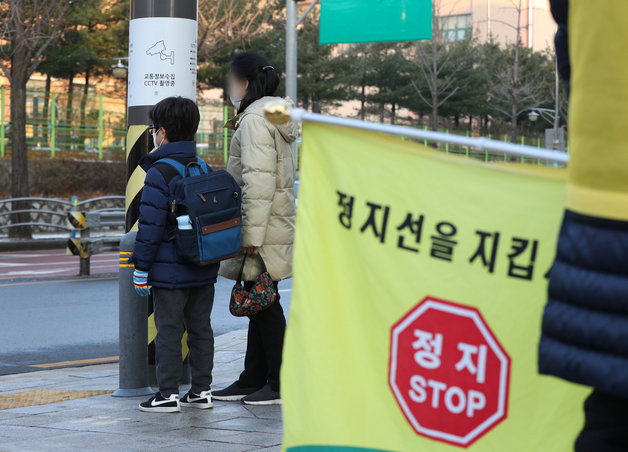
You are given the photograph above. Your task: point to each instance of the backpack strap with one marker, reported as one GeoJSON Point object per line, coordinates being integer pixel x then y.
{"type": "Point", "coordinates": [206, 169]}
{"type": "Point", "coordinates": [189, 169]}
{"type": "Point", "coordinates": [180, 167]}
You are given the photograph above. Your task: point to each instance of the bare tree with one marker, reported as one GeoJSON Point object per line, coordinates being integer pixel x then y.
{"type": "Point", "coordinates": [225, 22]}
{"type": "Point", "coordinates": [28, 27]}
{"type": "Point", "coordinates": [440, 64]}
{"type": "Point", "coordinates": [511, 93]}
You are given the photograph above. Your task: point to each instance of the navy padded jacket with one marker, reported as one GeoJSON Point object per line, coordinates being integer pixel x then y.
{"type": "Point", "coordinates": [585, 324]}
{"type": "Point", "coordinates": [154, 251]}
{"type": "Point", "coordinates": [560, 11]}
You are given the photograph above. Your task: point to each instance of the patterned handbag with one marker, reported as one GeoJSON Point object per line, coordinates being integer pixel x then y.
{"type": "Point", "coordinates": [245, 303]}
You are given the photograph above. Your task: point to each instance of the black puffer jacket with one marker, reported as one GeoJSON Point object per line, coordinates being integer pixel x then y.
{"type": "Point", "coordinates": [585, 325]}
{"type": "Point", "coordinates": [154, 252]}
{"type": "Point", "coordinates": [560, 11]}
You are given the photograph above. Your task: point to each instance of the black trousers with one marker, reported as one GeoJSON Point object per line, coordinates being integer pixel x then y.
{"type": "Point", "coordinates": [606, 424]}
{"type": "Point", "coordinates": [178, 310]}
{"type": "Point", "coordinates": [264, 346]}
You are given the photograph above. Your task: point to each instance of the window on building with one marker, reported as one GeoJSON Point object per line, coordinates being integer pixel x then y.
{"type": "Point", "coordinates": [456, 27]}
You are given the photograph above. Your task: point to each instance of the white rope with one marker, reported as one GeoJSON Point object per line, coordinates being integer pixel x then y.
{"type": "Point", "coordinates": [481, 144]}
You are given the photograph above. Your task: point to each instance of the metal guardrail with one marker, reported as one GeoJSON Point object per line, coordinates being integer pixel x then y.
{"type": "Point", "coordinates": [78, 218]}
{"type": "Point", "coordinates": [36, 211]}
{"type": "Point", "coordinates": [51, 212]}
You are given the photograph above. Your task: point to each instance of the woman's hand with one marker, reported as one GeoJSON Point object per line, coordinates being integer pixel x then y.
{"type": "Point", "coordinates": [250, 250]}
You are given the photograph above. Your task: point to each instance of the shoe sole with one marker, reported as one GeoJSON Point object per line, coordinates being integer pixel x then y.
{"type": "Point", "coordinates": [262, 402]}
{"type": "Point", "coordinates": [229, 398]}
{"type": "Point", "coordinates": [200, 406]}
{"type": "Point", "coordinates": [158, 409]}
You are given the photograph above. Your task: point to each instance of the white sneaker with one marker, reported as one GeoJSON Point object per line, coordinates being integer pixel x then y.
{"type": "Point", "coordinates": [159, 404]}
{"type": "Point", "coordinates": [201, 401]}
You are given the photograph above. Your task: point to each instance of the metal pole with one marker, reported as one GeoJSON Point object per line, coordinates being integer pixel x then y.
{"type": "Point", "coordinates": [133, 329]}
{"type": "Point", "coordinates": [2, 93]}
{"type": "Point", "coordinates": [225, 134]}
{"type": "Point", "coordinates": [201, 126]}
{"type": "Point", "coordinates": [291, 50]}
{"type": "Point", "coordinates": [556, 106]}
{"type": "Point", "coordinates": [53, 124]}
{"type": "Point", "coordinates": [481, 144]}
{"type": "Point", "coordinates": [162, 41]}
{"type": "Point", "coordinates": [100, 127]}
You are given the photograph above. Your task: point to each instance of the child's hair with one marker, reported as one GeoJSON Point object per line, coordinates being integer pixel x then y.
{"type": "Point", "coordinates": [178, 116]}
{"type": "Point", "coordinates": [263, 78]}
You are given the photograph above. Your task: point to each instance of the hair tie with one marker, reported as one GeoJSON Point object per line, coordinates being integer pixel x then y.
{"type": "Point", "coordinates": [268, 67]}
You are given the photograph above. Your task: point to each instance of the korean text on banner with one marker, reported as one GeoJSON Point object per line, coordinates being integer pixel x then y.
{"type": "Point", "coordinates": [420, 281]}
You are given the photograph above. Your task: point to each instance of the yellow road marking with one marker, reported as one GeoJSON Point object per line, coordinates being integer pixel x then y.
{"type": "Point", "coordinates": [74, 363]}
{"type": "Point", "coordinates": [56, 281]}
{"type": "Point", "coordinates": [45, 396]}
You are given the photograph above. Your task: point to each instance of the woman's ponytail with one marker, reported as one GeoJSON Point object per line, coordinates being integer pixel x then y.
{"type": "Point", "coordinates": [271, 80]}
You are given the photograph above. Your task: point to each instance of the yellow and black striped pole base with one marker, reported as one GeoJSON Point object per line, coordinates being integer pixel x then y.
{"type": "Point", "coordinates": [139, 143]}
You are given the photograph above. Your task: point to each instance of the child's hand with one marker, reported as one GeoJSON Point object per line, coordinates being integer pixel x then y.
{"type": "Point", "coordinates": [140, 281]}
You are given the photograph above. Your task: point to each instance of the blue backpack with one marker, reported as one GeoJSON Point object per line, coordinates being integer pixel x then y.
{"type": "Point", "coordinates": [212, 199]}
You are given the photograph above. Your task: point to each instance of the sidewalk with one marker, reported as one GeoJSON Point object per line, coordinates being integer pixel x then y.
{"type": "Point", "coordinates": [106, 423]}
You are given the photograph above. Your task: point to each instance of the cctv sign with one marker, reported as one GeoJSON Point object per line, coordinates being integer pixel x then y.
{"type": "Point", "coordinates": [162, 59]}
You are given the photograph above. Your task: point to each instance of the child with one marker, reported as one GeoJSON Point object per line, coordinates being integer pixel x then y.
{"type": "Point", "coordinates": [183, 293]}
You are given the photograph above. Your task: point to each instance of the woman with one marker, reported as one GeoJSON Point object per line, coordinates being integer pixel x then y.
{"type": "Point", "coordinates": [262, 161]}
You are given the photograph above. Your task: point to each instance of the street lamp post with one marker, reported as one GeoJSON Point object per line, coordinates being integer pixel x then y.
{"type": "Point", "coordinates": [536, 111]}
{"type": "Point", "coordinates": [291, 50]}
{"type": "Point", "coordinates": [534, 114]}
{"type": "Point", "coordinates": [292, 21]}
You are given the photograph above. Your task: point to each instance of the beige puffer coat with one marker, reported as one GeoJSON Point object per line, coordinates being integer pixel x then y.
{"type": "Point", "coordinates": [262, 162]}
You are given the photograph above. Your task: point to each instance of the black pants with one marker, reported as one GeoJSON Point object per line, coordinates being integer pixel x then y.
{"type": "Point", "coordinates": [264, 346]}
{"type": "Point", "coordinates": [606, 424]}
{"type": "Point", "coordinates": [178, 310]}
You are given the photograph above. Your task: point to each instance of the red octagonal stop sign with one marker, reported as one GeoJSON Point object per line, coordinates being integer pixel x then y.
{"type": "Point", "coordinates": [448, 372]}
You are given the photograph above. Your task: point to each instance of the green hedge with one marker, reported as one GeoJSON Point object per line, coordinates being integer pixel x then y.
{"type": "Point", "coordinates": [66, 178]}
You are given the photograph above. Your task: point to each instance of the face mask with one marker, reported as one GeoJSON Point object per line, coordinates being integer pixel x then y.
{"type": "Point", "coordinates": [155, 140]}
{"type": "Point", "coordinates": [235, 102]}
{"type": "Point", "coordinates": [236, 94]}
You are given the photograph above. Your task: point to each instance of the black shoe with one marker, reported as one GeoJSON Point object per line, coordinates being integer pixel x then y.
{"type": "Point", "coordinates": [159, 404]}
{"type": "Point", "coordinates": [265, 396]}
{"type": "Point", "coordinates": [233, 392]}
{"type": "Point", "coordinates": [201, 401]}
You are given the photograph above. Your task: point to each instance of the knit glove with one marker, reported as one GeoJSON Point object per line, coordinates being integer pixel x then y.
{"type": "Point", "coordinates": [140, 281]}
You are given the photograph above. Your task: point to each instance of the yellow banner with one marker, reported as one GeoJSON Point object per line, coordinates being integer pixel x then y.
{"type": "Point", "coordinates": [420, 282]}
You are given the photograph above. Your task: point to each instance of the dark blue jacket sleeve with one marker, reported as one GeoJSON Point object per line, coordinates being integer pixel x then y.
{"type": "Point", "coordinates": [152, 221]}
{"type": "Point", "coordinates": [560, 9]}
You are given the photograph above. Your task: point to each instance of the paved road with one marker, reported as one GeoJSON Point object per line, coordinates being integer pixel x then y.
{"type": "Point", "coordinates": [52, 263]}
{"type": "Point", "coordinates": [66, 318]}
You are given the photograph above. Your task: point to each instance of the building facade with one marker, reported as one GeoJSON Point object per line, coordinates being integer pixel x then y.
{"type": "Point", "coordinates": [499, 19]}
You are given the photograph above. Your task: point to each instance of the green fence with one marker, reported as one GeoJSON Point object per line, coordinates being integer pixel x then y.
{"type": "Point", "coordinates": [59, 125]}
{"type": "Point", "coordinates": [488, 156]}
